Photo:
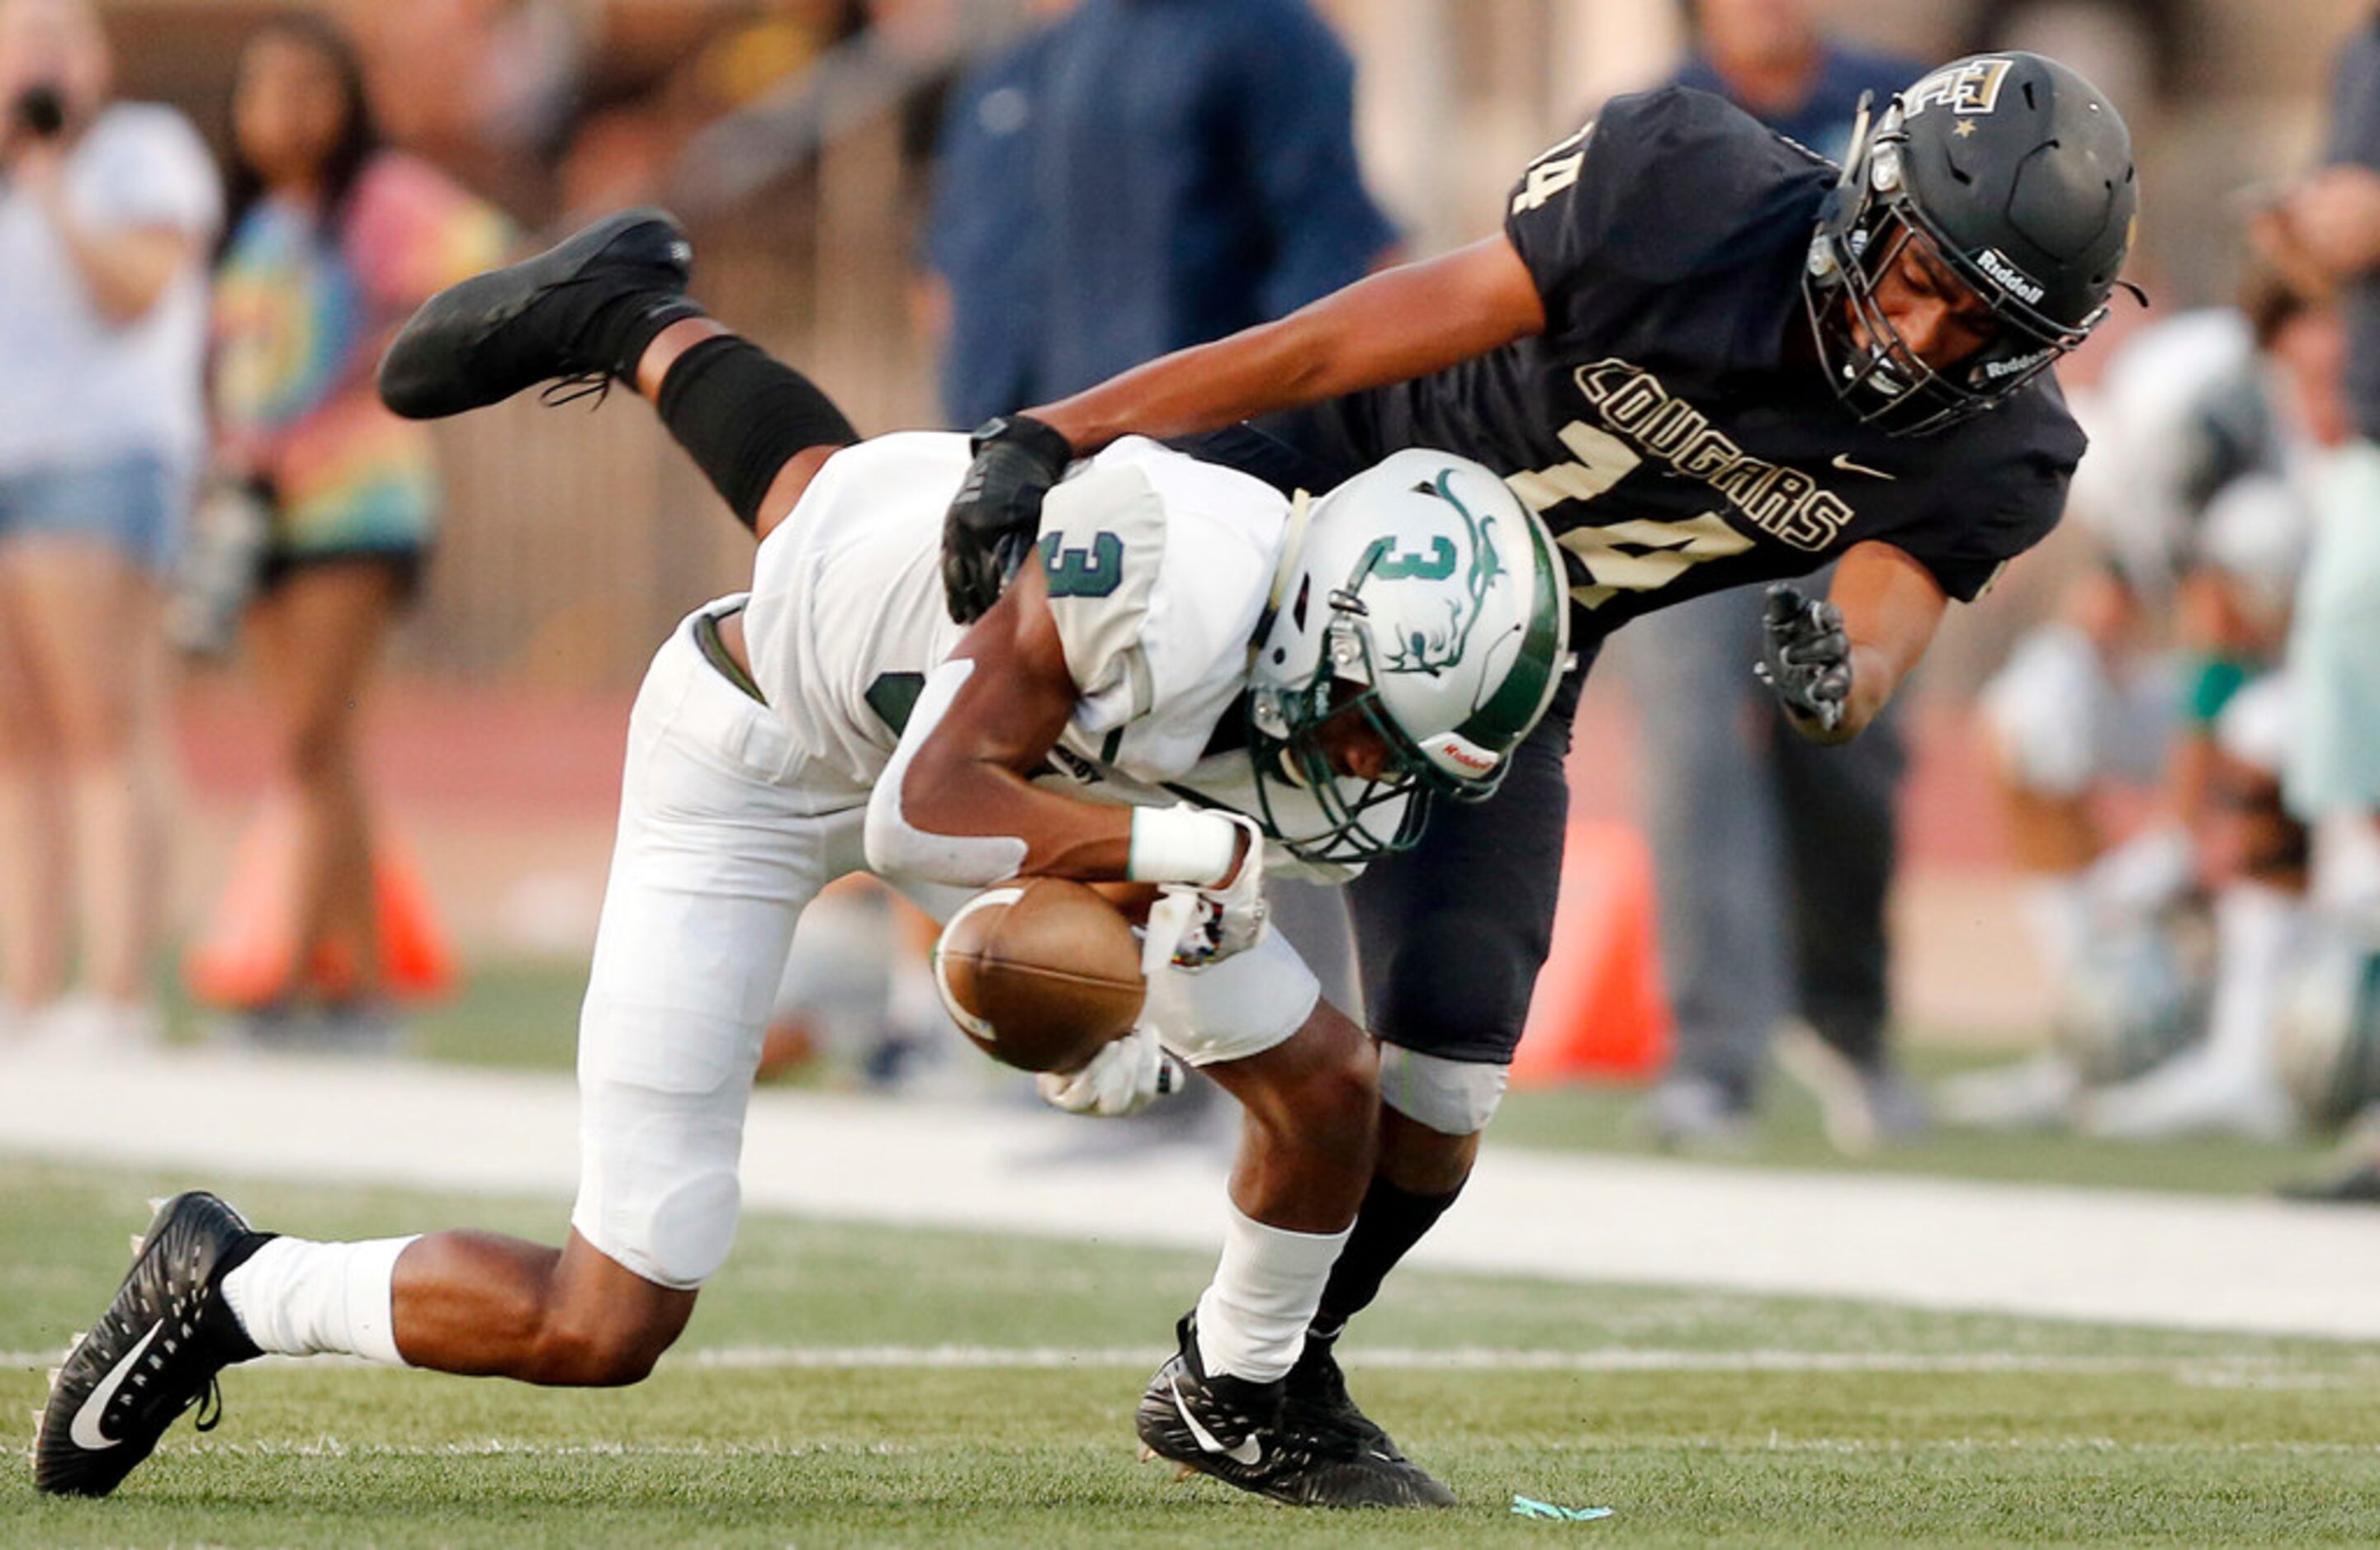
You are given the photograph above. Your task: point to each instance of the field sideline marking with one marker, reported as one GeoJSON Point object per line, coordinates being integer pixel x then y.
{"type": "Point", "coordinates": [2111, 1257]}
{"type": "Point", "coordinates": [331, 1447]}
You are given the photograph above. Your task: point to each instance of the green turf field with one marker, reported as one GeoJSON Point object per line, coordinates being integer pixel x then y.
{"type": "Point", "coordinates": [863, 1385]}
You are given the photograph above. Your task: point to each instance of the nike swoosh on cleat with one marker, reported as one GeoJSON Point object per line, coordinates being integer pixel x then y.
{"type": "Point", "coordinates": [1848, 466]}
{"type": "Point", "coordinates": [85, 1430]}
{"type": "Point", "coordinates": [1249, 1452]}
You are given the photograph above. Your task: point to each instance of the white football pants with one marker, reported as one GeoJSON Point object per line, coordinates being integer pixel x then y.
{"type": "Point", "coordinates": [726, 833]}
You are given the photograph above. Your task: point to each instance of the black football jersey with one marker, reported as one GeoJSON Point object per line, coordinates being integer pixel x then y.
{"type": "Point", "coordinates": [1673, 442]}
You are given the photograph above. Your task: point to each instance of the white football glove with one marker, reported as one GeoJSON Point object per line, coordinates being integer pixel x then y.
{"type": "Point", "coordinates": [1124, 1077]}
{"type": "Point", "coordinates": [1229, 916]}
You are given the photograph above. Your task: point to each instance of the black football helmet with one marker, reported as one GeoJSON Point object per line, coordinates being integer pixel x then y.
{"type": "Point", "coordinates": [2018, 173]}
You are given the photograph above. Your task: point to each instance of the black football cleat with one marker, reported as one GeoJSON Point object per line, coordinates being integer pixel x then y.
{"type": "Point", "coordinates": [1316, 1404]}
{"type": "Point", "coordinates": [481, 340]}
{"type": "Point", "coordinates": [1231, 1428]}
{"type": "Point", "coordinates": [153, 1355]}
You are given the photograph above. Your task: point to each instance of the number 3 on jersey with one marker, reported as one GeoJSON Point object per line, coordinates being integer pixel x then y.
{"type": "Point", "coordinates": [1092, 572]}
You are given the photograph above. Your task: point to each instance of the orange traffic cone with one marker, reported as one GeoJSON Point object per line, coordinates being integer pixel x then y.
{"type": "Point", "coordinates": [246, 954]}
{"type": "Point", "coordinates": [416, 958]}
{"type": "Point", "coordinates": [1598, 1011]}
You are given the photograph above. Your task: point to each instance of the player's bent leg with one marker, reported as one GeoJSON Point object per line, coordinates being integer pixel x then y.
{"type": "Point", "coordinates": [609, 304]}
{"type": "Point", "coordinates": [1432, 1112]}
{"type": "Point", "coordinates": [206, 1292]}
{"type": "Point", "coordinates": [722, 842]}
{"type": "Point", "coordinates": [1452, 935]}
{"type": "Point", "coordinates": [1215, 1407]}
{"type": "Point", "coordinates": [757, 428]}
{"type": "Point", "coordinates": [724, 838]}
{"type": "Point", "coordinates": [1306, 1078]}
{"type": "Point", "coordinates": [482, 1305]}
{"type": "Point", "coordinates": [587, 306]}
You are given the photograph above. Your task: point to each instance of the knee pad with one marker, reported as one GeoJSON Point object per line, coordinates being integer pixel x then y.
{"type": "Point", "coordinates": [1452, 1097]}
{"type": "Point", "coordinates": [658, 1145]}
{"type": "Point", "coordinates": [1236, 1008]}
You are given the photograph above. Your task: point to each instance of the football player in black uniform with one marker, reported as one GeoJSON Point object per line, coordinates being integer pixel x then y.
{"type": "Point", "coordinates": [1709, 357]}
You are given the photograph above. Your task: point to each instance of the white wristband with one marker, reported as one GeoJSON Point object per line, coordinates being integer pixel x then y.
{"type": "Point", "coordinates": [1181, 845]}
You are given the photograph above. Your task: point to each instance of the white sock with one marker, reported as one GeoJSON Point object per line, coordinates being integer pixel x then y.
{"type": "Point", "coordinates": [1252, 1319]}
{"type": "Point", "coordinates": [2255, 929]}
{"type": "Point", "coordinates": [297, 1298]}
{"type": "Point", "coordinates": [2057, 909]}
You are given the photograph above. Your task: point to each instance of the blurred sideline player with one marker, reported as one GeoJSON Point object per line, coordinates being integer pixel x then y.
{"type": "Point", "coordinates": [2208, 430]}
{"type": "Point", "coordinates": [1773, 857]}
{"type": "Point", "coordinates": [2326, 228]}
{"type": "Point", "coordinates": [1708, 357]}
{"type": "Point", "coordinates": [1188, 653]}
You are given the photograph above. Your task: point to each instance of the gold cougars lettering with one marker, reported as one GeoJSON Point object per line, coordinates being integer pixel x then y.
{"type": "Point", "coordinates": [1647, 423]}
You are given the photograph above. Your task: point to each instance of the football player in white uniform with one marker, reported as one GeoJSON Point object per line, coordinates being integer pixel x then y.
{"type": "Point", "coordinates": [1235, 682]}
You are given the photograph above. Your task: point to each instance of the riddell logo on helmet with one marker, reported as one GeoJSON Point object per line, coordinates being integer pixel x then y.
{"type": "Point", "coordinates": [1458, 751]}
{"type": "Point", "coordinates": [1994, 370]}
{"type": "Point", "coordinates": [2009, 275]}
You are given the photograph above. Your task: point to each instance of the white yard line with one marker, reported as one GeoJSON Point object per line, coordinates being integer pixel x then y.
{"type": "Point", "coordinates": [2112, 1256]}
{"type": "Point", "coordinates": [1778, 1442]}
{"type": "Point", "coordinates": [2211, 1371]}
{"type": "Point", "coordinates": [2219, 1371]}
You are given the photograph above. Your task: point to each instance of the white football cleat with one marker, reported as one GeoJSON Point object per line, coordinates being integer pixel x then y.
{"type": "Point", "coordinates": [2193, 1095]}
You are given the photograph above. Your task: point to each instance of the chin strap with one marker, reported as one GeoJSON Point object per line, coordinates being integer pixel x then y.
{"type": "Point", "coordinates": [1292, 548]}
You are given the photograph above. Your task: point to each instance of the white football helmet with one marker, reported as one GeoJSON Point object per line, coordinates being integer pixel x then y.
{"type": "Point", "coordinates": [1423, 596]}
{"type": "Point", "coordinates": [2134, 995]}
{"type": "Point", "coordinates": [2327, 1035]}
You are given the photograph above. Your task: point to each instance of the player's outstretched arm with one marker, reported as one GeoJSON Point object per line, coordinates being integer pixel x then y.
{"type": "Point", "coordinates": [1402, 322]}
{"type": "Point", "coordinates": [1885, 608]}
{"type": "Point", "coordinates": [957, 803]}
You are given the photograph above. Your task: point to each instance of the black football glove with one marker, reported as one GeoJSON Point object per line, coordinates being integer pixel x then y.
{"type": "Point", "coordinates": [997, 514]}
{"type": "Point", "coordinates": [1804, 656]}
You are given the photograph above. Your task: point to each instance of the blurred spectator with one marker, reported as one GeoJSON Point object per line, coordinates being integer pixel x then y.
{"type": "Point", "coordinates": [2327, 230]}
{"type": "Point", "coordinates": [491, 87]}
{"type": "Point", "coordinates": [1773, 854]}
{"type": "Point", "coordinates": [333, 241]}
{"type": "Point", "coordinates": [2330, 229]}
{"type": "Point", "coordinates": [898, 63]}
{"type": "Point", "coordinates": [2208, 430]}
{"type": "Point", "coordinates": [1132, 178]}
{"type": "Point", "coordinates": [1140, 175]}
{"type": "Point", "coordinates": [105, 214]}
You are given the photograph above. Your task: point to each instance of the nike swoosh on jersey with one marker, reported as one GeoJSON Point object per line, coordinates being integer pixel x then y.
{"type": "Point", "coordinates": [1249, 1452]}
{"type": "Point", "coordinates": [1848, 466]}
{"type": "Point", "coordinates": [85, 1430]}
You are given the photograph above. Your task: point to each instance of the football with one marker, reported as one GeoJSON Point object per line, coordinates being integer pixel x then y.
{"type": "Point", "coordinates": [1039, 973]}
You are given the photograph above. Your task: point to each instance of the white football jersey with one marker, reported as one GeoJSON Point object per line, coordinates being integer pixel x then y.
{"type": "Point", "coordinates": [1159, 567]}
